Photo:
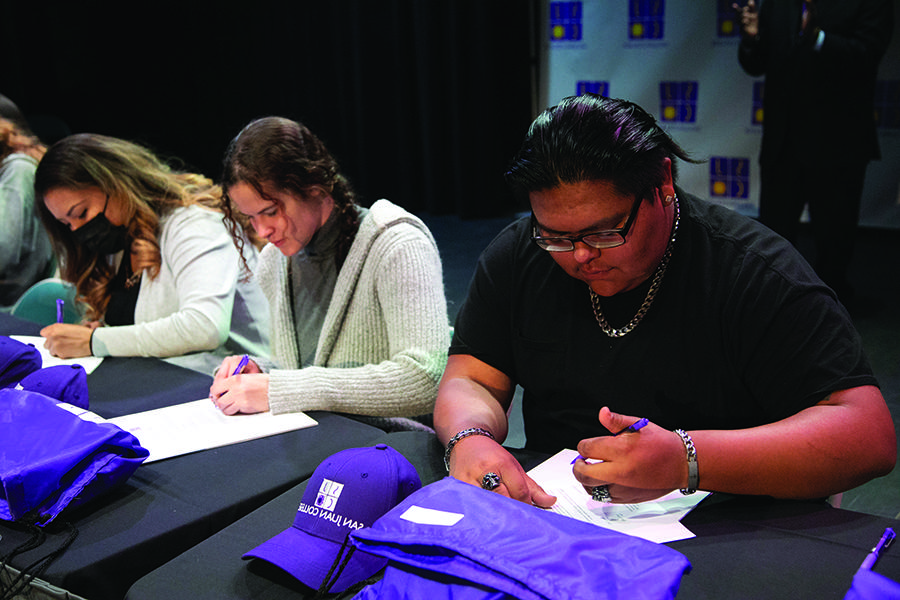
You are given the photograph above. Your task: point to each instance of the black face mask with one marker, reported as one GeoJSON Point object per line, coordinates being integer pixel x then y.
{"type": "Point", "coordinates": [100, 236]}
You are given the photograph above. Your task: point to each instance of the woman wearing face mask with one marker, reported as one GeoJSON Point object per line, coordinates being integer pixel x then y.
{"type": "Point", "coordinates": [356, 295]}
{"type": "Point", "coordinates": [149, 254]}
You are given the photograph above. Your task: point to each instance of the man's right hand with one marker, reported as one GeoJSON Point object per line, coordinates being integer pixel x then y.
{"type": "Point", "coordinates": [474, 456]}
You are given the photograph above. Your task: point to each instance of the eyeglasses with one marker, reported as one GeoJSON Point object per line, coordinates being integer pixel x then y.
{"type": "Point", "coordinates": [608, 238]}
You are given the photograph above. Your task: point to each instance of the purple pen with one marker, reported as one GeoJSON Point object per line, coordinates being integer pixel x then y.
{"type": "Point", "coordinates": [633, 428]}
{"type": "Point", "coordinates": [59, 309]}
{"type": "Point", "coordinates": [244, 360]}
{"type": "Point", "coordinates": [886, 539]}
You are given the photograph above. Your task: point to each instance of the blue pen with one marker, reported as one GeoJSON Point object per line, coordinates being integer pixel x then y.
{"type": "Point", "coordinates": [886, 538]}
{"type": "Point", "coordinates": [244, 360]}
{"type": "Point", "coordinates": [59, 309]}
{"type": "Point", "coordinates": [633, 428]}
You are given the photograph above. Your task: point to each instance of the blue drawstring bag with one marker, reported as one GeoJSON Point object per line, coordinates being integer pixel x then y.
{"type": "Point", "coordinates": [452, 540]}
{"type": "Point", "coordinates": [51, 459]}
{"type": "Point", "coordinates": [16, 361]}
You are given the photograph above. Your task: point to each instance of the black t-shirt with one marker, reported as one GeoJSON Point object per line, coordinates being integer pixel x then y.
{"type": "Point", "coordinates": [741, 333]}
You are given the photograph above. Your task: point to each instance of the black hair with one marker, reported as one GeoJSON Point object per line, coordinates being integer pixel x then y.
{"type": "Point", "coordinates": [593, 138]}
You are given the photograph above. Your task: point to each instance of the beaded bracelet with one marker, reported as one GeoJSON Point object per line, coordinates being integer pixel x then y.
{"type": "Point", "coordinates": [693, 471]}
{"type": "Point", "coordinates": [463, 434]}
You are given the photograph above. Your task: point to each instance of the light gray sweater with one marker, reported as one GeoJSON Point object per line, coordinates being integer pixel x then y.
{"type": "Point", "coordinates": [383, 345]}
{"type": "Point", "coordinates": [25, 250]}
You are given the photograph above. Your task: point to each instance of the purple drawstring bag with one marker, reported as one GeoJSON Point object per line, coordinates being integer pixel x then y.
{"type": "Point", "coordinates": [51, 459]}
{"type": "Point", "coordinates": [452, 540]}
{"type": "Point", "coordinates": [868, 585]}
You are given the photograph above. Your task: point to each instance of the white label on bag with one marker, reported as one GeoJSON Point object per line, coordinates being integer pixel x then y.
{"type": "Point", "coordinates": [430, 516]}
{"type": "Point", "coordinates": [84, 415]}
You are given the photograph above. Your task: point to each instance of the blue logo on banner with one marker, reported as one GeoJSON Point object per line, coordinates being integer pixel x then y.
{"type": "Point", "coordinates": [678, 101]}
{"type": "Point", "coordinates": [759, 90]}
{"type": "Point", "coordinates": [592, 87]}
{"type": "Point", "coordinates": [728, 20]}
{"type": "Point", "coordinates": [565, 21]}
{"type": "Point", "coordinates": [646, 19]}
{"type": "Point", "coordinates": [729, 177]}
{"type": "Point", "coordinates": [887, 104]}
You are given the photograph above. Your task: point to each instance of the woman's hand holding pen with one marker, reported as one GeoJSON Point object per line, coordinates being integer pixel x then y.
{"type": "Point", "coordinates": [66, 340]}
{"type": "Point", "coordinates": [240, 386]}
{"type": "Point", "coordinates": [635, 465]}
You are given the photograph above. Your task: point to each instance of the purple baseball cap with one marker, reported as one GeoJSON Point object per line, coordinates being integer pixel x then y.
{"type": "Point", "coordinates": [16, 361]}
{"type": "Point", "coordinates": [349, 490]}
{"type": "Point", "coordinates": [66, 383]}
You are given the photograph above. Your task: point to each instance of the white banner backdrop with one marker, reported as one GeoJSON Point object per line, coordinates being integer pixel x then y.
{"type": "Point", "coordinates": [678, 60]}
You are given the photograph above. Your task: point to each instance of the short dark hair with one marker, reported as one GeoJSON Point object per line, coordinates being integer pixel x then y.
{"type": "Point", "coordinates": [593, 138]}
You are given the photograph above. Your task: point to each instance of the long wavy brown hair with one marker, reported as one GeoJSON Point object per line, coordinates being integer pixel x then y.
{"type": "Point", "coordinates": [274, 152]}
{"type": "Point", "coordinates": [143, 184]}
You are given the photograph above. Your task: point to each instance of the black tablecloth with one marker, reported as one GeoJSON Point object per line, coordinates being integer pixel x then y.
{"type": "Point", "coordinates": [745, 547]}
{"type": "Point", "coordinates": [754, 547]}
{"type": "Point", "coordinates": [10, 325]}
{"type": "Point", "coordinates": [170, 505]}
{"type": "Point", "coordinates": [123, 386]}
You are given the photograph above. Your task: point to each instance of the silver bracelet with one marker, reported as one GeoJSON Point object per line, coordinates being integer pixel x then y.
{"type": "Point", "coordinates": [693, 471]}
{"type": "Point", "coordinates": [463, 434]}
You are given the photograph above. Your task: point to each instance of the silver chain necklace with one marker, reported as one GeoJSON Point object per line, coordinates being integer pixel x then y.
{"type": "Point", "coordinates": [651, 293]}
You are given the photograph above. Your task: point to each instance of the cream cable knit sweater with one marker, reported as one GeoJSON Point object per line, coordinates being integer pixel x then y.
{"type": "Point", "coordinates": [383, 345]}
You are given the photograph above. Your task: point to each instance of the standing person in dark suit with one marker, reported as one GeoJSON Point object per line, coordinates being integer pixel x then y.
{"type": "Point", "coordinates": [820, 61]}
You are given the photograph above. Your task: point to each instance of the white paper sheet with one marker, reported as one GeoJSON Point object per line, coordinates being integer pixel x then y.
{"type": "Point", "coordinates": [657, 520]}
{"type": "Point", "coordinates": [48, 360]}
{"type": "Point", "coordinates": [199, 425]}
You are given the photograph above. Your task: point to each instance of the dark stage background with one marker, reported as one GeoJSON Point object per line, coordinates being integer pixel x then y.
{"type": "Point", "coordinates": [423, 102]}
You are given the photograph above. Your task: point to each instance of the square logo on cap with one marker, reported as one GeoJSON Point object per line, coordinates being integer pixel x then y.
{"type": "Point", "coordinates": [328, 495]}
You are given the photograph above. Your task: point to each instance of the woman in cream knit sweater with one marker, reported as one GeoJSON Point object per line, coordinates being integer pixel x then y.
{"type": "Point", "coordinates": [358, 313]}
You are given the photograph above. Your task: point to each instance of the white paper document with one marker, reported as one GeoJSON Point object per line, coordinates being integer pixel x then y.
{"type": "Point", "coordinates": [48, 360]}
{"type": "Point", "coordinates": [199, 425]}
{"type": "Point", "coordinates": [656, 520]}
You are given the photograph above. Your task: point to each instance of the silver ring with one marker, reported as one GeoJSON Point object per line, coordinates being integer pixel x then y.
{"type": "Point", "coordinates": [600, 493]}
{"type": "Point", "coordinates": [490, 481]}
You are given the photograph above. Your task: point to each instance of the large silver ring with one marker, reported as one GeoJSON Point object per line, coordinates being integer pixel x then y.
{"type": "Point", "coordinates": [490, 481]}
{"type": "Point", "coordinates": [600, 493]}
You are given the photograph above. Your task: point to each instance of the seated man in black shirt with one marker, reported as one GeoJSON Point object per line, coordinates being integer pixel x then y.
{"type": "Point", "coordinates": [623, 297]}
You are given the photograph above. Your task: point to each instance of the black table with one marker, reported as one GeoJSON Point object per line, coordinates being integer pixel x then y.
{"type": "Point", "coordinates": [745, 547]}
{"type": "Point", "coordinates": [123, 386]}
{"type": "Point", "coordinates": [170, 505]}
{"type": "Point", "coordinates": [755, 547]}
